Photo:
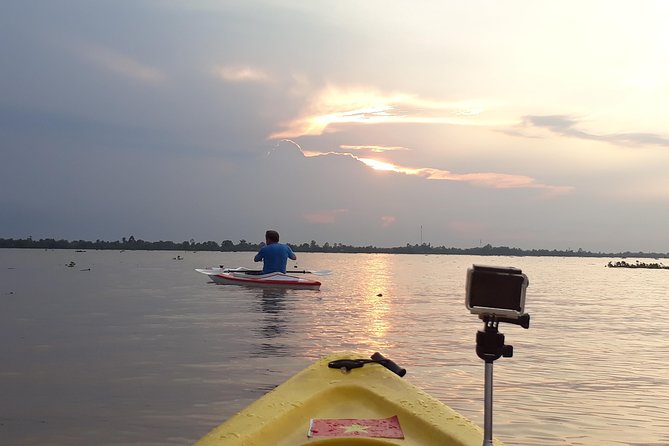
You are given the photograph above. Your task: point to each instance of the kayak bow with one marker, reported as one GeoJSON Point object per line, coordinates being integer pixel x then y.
{"type": "Point", "coordinates": [361, 404]}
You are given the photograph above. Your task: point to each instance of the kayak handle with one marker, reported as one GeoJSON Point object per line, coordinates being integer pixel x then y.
{"type": "Point", "coordinates": [377, 358]}
{"type": "Point", "coordinates": [390, 365]}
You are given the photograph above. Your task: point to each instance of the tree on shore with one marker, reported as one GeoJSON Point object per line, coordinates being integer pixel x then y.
{"type": "Point", "coordinates": [131, 243]}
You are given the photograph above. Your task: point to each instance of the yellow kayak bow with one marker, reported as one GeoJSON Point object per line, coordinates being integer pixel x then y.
{"type": "Point", "coordinates": [364, 406]}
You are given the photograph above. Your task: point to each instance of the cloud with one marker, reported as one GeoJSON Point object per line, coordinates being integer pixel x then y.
{"type": "Point", "coordinates": [382, 165]}
{"type": "Point", "coordinates": [487, 179]}
{"type": "Point", "coordinates": [567, 126]}
{"type": "Point", "coordinates": [348, 149]}
{"type": "Point", "coordinates": [335, 106]}
{"type": "Point", "coordinates": [373, 149]}
{"type": "Point", "coordinates": [288, 145]}
{"type": "Point", "coordinates": [387, 220]}
{"type": "Point", "coordinates": [239, 73]}
{"type": "Point", "coordinates": [121, 64]}
{"type": "Point", "coordinates": [493, 179]}
{"type": "Point", "coordinates": [324, 217]}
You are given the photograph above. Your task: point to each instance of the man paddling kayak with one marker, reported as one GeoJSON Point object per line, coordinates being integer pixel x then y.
{"type": "Point", "coordinates": [274, 255]}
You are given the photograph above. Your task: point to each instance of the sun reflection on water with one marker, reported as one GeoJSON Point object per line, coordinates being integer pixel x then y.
{"type": "Point", "coordinates": [374, 305]}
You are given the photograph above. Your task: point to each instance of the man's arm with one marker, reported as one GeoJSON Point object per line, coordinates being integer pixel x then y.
{"type": "Point", "coordinates": [259, 256]}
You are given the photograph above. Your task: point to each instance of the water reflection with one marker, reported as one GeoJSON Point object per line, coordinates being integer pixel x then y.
{"type": "Point", "coordinates": [141, 341]}
{"type": "Point", "coordinates": [375, 295]}
{"type": "Point", "coordinates": [359, 313]}
{"type": "Point", "coordinates": [272, 305]}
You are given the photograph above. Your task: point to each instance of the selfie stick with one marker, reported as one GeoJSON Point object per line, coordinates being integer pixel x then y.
{"type": "Point", "coordinates": [489, 347]}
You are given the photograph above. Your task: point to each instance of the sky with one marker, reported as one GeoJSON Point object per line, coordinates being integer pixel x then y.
{"type": "Point", "coordinates": [523, 123]}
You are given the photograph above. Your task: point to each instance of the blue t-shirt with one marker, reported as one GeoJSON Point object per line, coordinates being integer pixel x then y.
{"type": "Point", "coordinates": [275, 257]}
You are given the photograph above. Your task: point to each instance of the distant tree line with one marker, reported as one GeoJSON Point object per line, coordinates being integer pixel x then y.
{"type": "Point", "coordinates": [131, 243]}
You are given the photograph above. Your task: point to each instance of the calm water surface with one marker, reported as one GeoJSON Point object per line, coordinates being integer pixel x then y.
{"type": "Point", "coordinates": [141, 350]}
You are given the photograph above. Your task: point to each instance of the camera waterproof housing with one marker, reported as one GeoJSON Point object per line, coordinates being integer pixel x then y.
{"type": "Point", "coordinates": [496, 291]}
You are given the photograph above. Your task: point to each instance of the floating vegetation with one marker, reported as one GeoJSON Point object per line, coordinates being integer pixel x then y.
{"type": "Point", "coordinates": [637, 264]}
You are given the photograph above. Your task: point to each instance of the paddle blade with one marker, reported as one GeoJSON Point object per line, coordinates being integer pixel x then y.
{"type": "Point", "coordinates": [323, 272]}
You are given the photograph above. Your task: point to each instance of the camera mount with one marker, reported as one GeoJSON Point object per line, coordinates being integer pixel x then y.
{"type": "Point", "coordinates": [490, 347]}
{"type": "Point", "coordinates": [490, 342]}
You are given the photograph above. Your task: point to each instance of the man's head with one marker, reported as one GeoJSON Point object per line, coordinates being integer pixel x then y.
{"type": "Point", "coordinates": [271, 237]}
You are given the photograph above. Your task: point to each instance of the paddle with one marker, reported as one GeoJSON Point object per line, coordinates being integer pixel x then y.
{"type": "Point", "coordinates": [324, 272]}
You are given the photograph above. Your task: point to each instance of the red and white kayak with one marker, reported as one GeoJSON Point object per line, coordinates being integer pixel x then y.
{"type": "Point", "coordinates": [243, 276]}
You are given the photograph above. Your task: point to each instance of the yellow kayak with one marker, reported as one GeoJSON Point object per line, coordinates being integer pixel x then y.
{"type": "Point", "coordinates": [367, 405]}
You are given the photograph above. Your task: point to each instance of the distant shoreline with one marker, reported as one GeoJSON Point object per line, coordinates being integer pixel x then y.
{"type": "Point", "coordinates": [132, 244]}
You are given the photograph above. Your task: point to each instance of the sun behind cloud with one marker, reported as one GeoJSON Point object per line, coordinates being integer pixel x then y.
{"type": "Point", "coordinates": [380, 165]}
{"type": "Point", "coordinates": [486, 179]}
{"type": "Point", "coordinates": [337, 106]}
{"type": "Point", "coordinates": [373, 148]}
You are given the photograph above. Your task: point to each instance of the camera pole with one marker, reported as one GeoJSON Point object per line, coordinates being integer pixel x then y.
{"type": "Point", "coordinates": [490, 347]}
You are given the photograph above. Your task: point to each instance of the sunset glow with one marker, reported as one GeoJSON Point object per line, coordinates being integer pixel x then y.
{"type": "Point", "coordinates": [379, 165]}
{"type": "Point", "coordinates": [326, 125]}
{"type": "Point", "coordinates": [374, 149]}
{"type": "Point", "coordinates": [486, 179]}
{"type": "Point", "coordinates": [336, 106]}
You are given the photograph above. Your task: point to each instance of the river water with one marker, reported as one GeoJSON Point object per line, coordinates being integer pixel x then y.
{"type": "Point", "coordinates": [136, 348]}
